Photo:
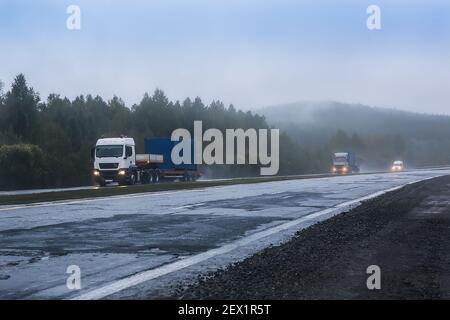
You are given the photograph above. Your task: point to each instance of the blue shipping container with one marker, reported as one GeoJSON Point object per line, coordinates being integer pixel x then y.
{"type": "Point", "coordinates": [163, 146]}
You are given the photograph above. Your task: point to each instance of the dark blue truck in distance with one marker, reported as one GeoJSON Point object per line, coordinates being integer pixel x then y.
{"type": "Point", "coordinates": [344, 162]}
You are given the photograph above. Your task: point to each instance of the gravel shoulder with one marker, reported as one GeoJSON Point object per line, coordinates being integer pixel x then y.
{"type": "Point", "coordinates": [406, 233]}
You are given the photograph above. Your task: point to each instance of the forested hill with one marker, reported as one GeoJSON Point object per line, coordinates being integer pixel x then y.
{"type": "Point", "coordinates": [377, 134]}
{"type": "Point", "coordinates": [332, 116]}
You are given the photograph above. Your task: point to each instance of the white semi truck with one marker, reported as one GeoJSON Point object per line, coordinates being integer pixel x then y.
{"type": "Point", "coordinates": [116, 160]}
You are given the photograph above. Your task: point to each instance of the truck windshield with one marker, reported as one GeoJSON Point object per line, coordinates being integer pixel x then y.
{"type": "Point", "coordinates": [340, 159]}
{"type": "Point", "coordinates": [109, 151]}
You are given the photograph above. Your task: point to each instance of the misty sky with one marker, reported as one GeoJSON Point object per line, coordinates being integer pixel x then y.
{"type": "Point", "coordinates": [251, 53]}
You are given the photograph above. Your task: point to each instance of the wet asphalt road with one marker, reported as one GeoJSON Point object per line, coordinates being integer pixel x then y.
{"type": "Point", "coordinates": [110, 239]}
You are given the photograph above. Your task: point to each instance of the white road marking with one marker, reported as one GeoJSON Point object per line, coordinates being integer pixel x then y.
{"type": "Point", "coordinates": [144, 276]}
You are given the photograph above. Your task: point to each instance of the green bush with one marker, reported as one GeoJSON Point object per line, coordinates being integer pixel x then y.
{"type": "Point", "coordinates": [22, 166]}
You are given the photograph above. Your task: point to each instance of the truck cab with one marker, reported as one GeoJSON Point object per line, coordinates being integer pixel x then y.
{"type": "Point", "coordinates": [114, 160]}
{"type": "Point", "coordinates": [344, 162]}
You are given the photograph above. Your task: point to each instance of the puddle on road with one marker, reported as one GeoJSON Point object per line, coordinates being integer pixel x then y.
{"type": "Point", "coordinates": [175, 234]}
{"type": "Point", "coordinates": [267, 201]}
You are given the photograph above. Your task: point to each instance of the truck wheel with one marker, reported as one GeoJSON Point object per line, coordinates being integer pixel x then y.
{"type": "Point", "coordinates": [150, 176]}
{"type": "Point", "coordinates": [132, 179]}
{"type": "Point", "coordinates": [155, 178]}
{"type": "Point", "coordinates": [145, 178]}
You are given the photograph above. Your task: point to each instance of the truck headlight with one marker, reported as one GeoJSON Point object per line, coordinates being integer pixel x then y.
{"type": "Point", "coordinates": [334, 169]}
{"type": "Point", "coordinates": [96, 173]}
{"type": "Point", "coordinates": [122, 172]}
{"type": "Point", "coordinates": [344, 169]}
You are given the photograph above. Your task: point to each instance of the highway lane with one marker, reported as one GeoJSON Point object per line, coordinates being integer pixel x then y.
{"type": "Point", "coordinates": [113, 238]}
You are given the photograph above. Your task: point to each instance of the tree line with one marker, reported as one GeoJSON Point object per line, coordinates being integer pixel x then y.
{"type": "Point", "coordinates": [47, 143]}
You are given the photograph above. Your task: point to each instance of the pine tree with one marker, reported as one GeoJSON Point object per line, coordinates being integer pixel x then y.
{"type": "Point", "coordinates": [21, 109]}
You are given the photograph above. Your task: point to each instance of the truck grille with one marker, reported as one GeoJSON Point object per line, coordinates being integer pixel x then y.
{"type": "Point", "coordinates": [109, 175]}
{"type": "Point", "coordinates": [108, 165]}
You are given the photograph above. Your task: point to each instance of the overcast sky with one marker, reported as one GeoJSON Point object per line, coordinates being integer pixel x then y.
{"type": "Point", "coordinates": [251, 53]}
